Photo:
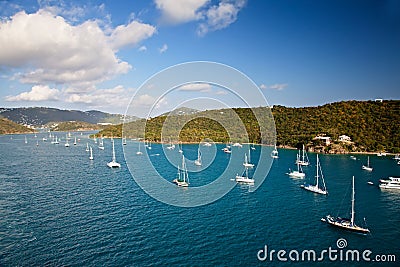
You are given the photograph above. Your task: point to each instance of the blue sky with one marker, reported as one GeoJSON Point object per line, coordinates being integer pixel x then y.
{"type": "Point", "coordinates": [95, 54]}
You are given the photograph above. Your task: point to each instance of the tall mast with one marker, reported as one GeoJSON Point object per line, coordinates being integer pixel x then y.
{"type": "Point", "coordinates": [317, 171]}
{"type": "Point", "coordinates": [303, 153]}
{"type": "Point", "coordinates": [113, 152]}
{"type": "Point", "coordinates": [352, 205]}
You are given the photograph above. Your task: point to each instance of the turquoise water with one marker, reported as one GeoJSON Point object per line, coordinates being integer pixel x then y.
{"type": "Point", "coordinates": [59, 208]}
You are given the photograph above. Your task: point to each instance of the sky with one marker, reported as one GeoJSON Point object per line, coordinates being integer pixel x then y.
{"type": "Point", "coordinates": [93, 54]}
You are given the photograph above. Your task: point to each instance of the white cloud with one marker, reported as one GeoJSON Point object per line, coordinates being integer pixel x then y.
{"type": "Point", "coordinates": [131, 34]}
{"type": "Point", "coordinates": [102, 98]}
{"type": "Point", "coordinates": [180, 11]}
{"type": "Point", "coordinates": [199, 87]}
{"type": "Point", "coordinates": [220, 16]}
{"type": "Point", "coordinates": [163, 49]}
{"type": "Point", "coordinates": [278, 86]}
{"type": "Point", "coordinates": [48, 49]}
{"type": "Point", "coordinates": [37, 93]}
{"type": "Point", "coordinates": [143, 48]}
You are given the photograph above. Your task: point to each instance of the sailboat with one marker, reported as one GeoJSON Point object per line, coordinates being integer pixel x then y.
{"type": "Point", "coordinates": [197, 162]}
{"type": "Point", "coordinates": [37, 143]}
{"type": "Point", "coordinates": [26, 140]}
{"type": "Point", "coordinates": [304, 158]}
{"type": "Point", "coordinates": [171, 146]}
{"type": "Point", "coordinates": [113, 163]}
{"type": "Point", "coordinates": [253, 147]}
{"type": "Point", "coordinates": [95, 139]}
{"type": "Point", "coordinates": [66, 143]}
{"type": "Point", "coordinates": [299, 173]}
{"type": "Point", "coordinates": [315, 188]}
{"type": "Point", "coordinates": [226, 149]}
{"type": "Point", "coordinates": [367, 168]}
{"type": "Point", "coordinates": [101, 143]}
{"type": "Point", "coordinates": [87, 147]}
{"type": "Point", "coordinates": [246, 162]}
{"type": "Point", "coordinates": [56, 141]}
{"type": "Point", "coordinates": [124, 141]}
{"type": "Point", "coordinates": [91, 154]}
{"type": "Point", "coordinates": [183, 178]}
{"type": "Point", "coordinates": [148, 145]}
{"type": "Point", "coordinates": [244, 178]}
{"type": "Point", "coordinates": [274, 153]}
{"type": "Point", "coordinates": [139, 152]}
{"type": "Point", "coordinates": [344, 223]}
{"type": "Point", "coordinates": [75, 141]}
{"type": "Point", "coordinates": [180, 148]}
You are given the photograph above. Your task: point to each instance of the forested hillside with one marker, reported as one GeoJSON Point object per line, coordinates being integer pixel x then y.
{"type": "Point", "coordinates": [372, 126]}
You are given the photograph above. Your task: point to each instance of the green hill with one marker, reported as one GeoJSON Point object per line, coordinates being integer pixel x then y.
{"type": "Point", "coordinates": [9, 127]}
{"type": "Point", "coordinates": [372, 126]}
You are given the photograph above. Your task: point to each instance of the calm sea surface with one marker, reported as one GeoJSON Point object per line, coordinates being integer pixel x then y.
{"type": "Point", "coordinates": [59, 208]}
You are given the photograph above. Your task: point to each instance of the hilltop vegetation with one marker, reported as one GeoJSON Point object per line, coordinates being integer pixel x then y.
{"type": "Point", "coordinates": [9, 127]}
{"type": "Point", "coordinates": [372, 126]}
{"type": "Point", "coordinates": [73, 126]}
{"type": "Point", "coordinates": [38, 116]}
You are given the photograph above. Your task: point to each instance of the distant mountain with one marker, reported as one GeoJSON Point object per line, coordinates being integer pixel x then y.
{"type": "Point", "coordinates": [38, 116]}
{"type": "Point", "coordinates": [181, 111]}
{"type": "Point", "coordinates": [9, 127]}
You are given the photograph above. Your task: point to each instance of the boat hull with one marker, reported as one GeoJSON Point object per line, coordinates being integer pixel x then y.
{"type": "Point", "coordinates": [314, 189]}
{"type": "Point", "coordinates": [345, 224]}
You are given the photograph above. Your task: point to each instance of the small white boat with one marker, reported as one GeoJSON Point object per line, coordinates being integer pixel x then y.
{"type": "Point", "coordinates": [244, 178]}
{"type": "Point", "coordinates": [297, 174]}
{"type": "Point", "coordinates": [87, 147]}
{"type": "Point", "coordinates": [66, 142]}
{"type": "Point", "coordinates": [183, 178]}
{"type": "Point", "coordinates": [207, 144]}
{"type": "Point", "coordinates": [397, 157]}
{"type": "Point", "coordinates": [315, 188]}
{"type": "Point", "coordinates": [246, 162]}
{"type": "Point", "coordinates": [124, 141]}
{"type": "Point", "coordinates": [139, 152]}
{"type": "Point", "coordinates": [91, 154]}
{"type": "Point", "coordinates": [113, 163]}
{"type": "Point", "coordinates": [275, 153]}
{"type": "Point", "coordinates": [75, 141]}
{"type": "Point", "coordinates": [381, 154]}
{"type": "Point", "coordinates": [353, 157]}
{"type": "Point", "coordinates": [391, 183]}
{"type": "Point", "coordinates": [367, 167]}
{"type": "Point", "coordinates": [26, 140]}
{"type": "Point", "coordinates": [303, 160]}
{"type": "Point", "coordinates": [237, 145]}
{"type": "Point", "coordinates": [197, 162]}
{"type": "Point", "coordinates": [370, 183]}
{"type": "Point", "coordinates": [101, 143]}
{"type": "Point", "coordinates": [226, 150]}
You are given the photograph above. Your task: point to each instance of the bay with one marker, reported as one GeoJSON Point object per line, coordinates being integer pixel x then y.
{"type": "Point", "coordinates": [59, 208]}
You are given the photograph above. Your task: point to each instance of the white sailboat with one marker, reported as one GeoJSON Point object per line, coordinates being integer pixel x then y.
{"type": "Point", "coordinates": [303, 161]}
{"type": "Point", "coordinates": [274, 153]}
{"type": "Point", "coordinates": [95, 139]}
{"type": "Point", "coordinates": [56, 141]}
{"type": "Point", "coordinates": [344, 223]}
{"type": "Point", "coordinates": [101, 143]}
{"type": "Point", "coordinates": [139, 152]}
{"type": "Point", "coordinates": [299, 173]}
{"type": "Point", "coordinates": [244, 178]}
{"type": "Point", "coordinates": [37, 143]}
{"type": "Point", "coordinates": [26, 140]}
{"type": "Point", "coordinates": [113, 163]}
{"type": "Point", "coordinates": [197, 162]}
{"type": "Point", "coordinates": [91, 154]}
{"type": "Point", "coordinates": [253, 147]}
{"type": "Point", "coordinates": [124, 141]}
{"type": "Point", "coordinates": [87, 147]}
{"type": "Point", "coordinates": [66, 142]}
{"type": "Point", "coordinates": [315, 188]}
{"type": "Point", "coordinates": [183, 177]}
{"type": "Point", "coordinates": [246, 162]}
{"type": "Point", "coordinates": [180, 148]}
{"type": "Point", "coordinates": [75, 141]}
{"type": "Point", "coordinates": [367, 167]}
